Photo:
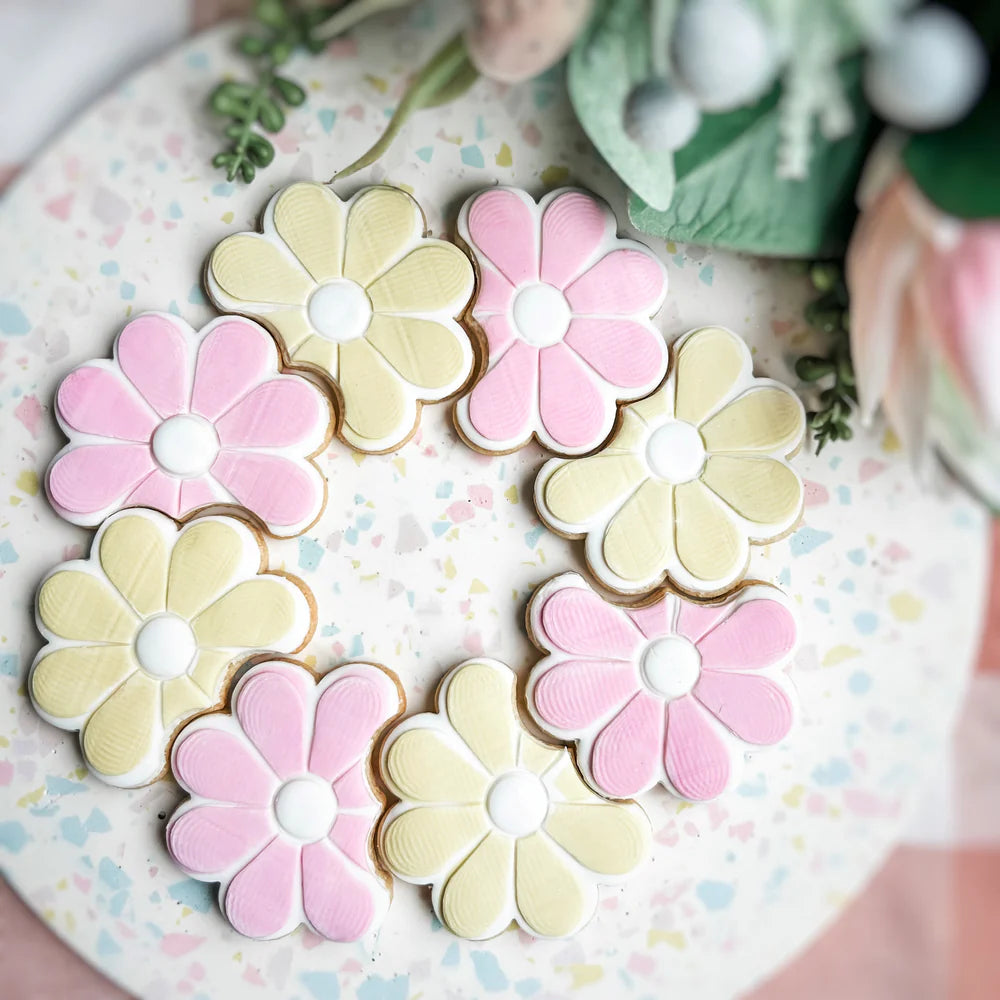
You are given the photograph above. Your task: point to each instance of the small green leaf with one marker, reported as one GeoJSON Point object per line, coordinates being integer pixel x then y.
{"type": "Point", "coordinates": [270, 116]}
{"type": "Point", "coordinates": [235, 131]}
{"type": "Point", "coordinates": [281, 52]}
{"type": "Point", "coordinates": [811, 369]}
{"type": "Point", "coordinates": [223, 159]}
{"type": "Point", "coordinates": [224, 102]}
{"type": "Point", "coordinates": [251, 45]}
{"type": "Point", "coordinates": [259, 150]}
{"type": "Point", "coordinates": [289, 91]}
{"type": "Point", "coordinates": [247, 171]}
{"type": "Point", "coordinates": [272, 13]}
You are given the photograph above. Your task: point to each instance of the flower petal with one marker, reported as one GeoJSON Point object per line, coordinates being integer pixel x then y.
{"type": "Point", "coordinates": [424, 766]}
{"type": "Point", "coordinates": [426, 354]}
{"type": "Point", "coordinates": [762, 490]}
{"type": "Point", "coordinates": [653, 620]}
{"type": "Point", "coordinates": [696, 759]}
{"type": "Point", "coordinates": [695, 620]}
{"type": "Point", "coordinates": [99, 401]}
{"type": "Point", "coordinates": [535, 756]}
{"type": "Point", "coordinates": [502, 227]}
{"type": "Point", "coordinates": [120, 734]}
{"type": "Point", "coordinates": [638, 543]}
{"type": "Point", "coordinates": [210, 840]}
{"type": "Point", "coordinates": [609, 838]}
{"type": "Point", "coordinates": [210, 669]}
{"type": "Point", "coordinates": [219, 765]}
{"type": "Point", "coordinates": [502, 403]}
{"type": "Point", "coordinates": [474, 900]}
{"type": "Point", "coordinates": [272, 711]}
{"type": "Point", "coordinates": [134, 556]}
{"type": "Point", "coordinates": [338, 902]}
{"type": "Point", "coordinates": [260, 900]}
{"type": "Point", "coordinates": [318, 352]}
{"type": "Point", "coordinates": [574, 695]}
{"type": "Point", "coordinates": [579, 491]}
{"type": "Point", "coordinates": [551, 897]}
{"type": "Point", "coordinates": [499, 334]}
{"type": "Point", "coordinates": [70, 682]}
{"type": "Point", "coordinates": [576, 620]}
{"type": "Point", "coordinates": [291, 328]}
{"type": "Point", "coordinates": [310, 219]}
{"type": "Point", "coordinates": [180, 699]}
{"type": "Point", "coordinates": [709, 546]}
{"type": "Point", "coordinates": [566, 780]}
{"type": "Point", "coordinates": [767, 419]}
{"type": "Point", "coordinates": [73, 604]}
{"type": "Point", "coordinates": [375, 406]}
{"type": "Point", "coordinates": [279, 491]}
{"type": "Point", "coordinates": [204, 560]}
{"type": "Point", "coordinates": [199, 492]}
{"type": "Point", "coordinates": [382, 223]}
{"type": "Point", "coordinates": [436, 277]}
{"type": "Point", "coordinates": [572, 409]}
{"type": "Point", "coordinates": [232, 359]}
{"type": "Point", "coordinates": [573, 226]}
{"type": "Point", "coordinates": [759, 633]}
{"type": "Point", "coordinates": [94, 477]}
{"type": "Point", "coordinates": [755, 708]}
{"type": "Point", "coordinates": [153, 353]}
{"type": "Point", "coordinates": [621, 283]}
{"type": "Point", "coordinates": [424, 842]}
{"type": "Point", "coordinates": [250, 268]}
{"type": "Point", "coordinates": [353, 788]}
{"type": "Point", "coordinates": [159, 491]}
{"type": "Point", "coordinates": [625, 758]}
{"type": "Point", "coordinates": [709, 364]}
{"type": "Point", "coordinates": [480, 705]}
{"type": "Point", "coordinates": [256, 614]}
{"type": "Point", "coordinates": [352, 835]}
{"type": "Point", "coordinates": [627, 354]}
{"type": "Point", "coordinates": [495, 291]}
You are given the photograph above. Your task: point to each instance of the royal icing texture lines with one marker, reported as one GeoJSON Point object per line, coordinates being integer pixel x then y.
{"type": "Point", "coordinates": [355, 291]}
{"type": "Point", "coordinates": [566, 308]}
{"type": "Point", "coordinates": [500, 824]}
{"type": "Point", "coordinates": [671, 691]}
{"type": "Point", "coordinates": [282, 806]}
{"type": "Point", "coordinates": [180, 421]}
{"type": "Point", "coordinates": [694, 474]}
{"type": "Point", "coordinates": [144, 634]}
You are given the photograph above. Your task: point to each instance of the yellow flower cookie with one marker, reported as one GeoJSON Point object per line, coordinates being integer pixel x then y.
{"type": "Point", "coordinates": [499, 823]}
{"type": "Point", "coordinates": [355, 291]}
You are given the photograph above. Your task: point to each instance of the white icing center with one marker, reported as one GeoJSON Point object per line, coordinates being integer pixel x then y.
{"type": "Point", "coordinates": [305, 808]}
{"type": "Point", "coordinates": [185, 445]}
{"type": "Point", "coordinates": [517, 803]}
{"type": "Point", "coordinates": [541, 314]}
{"type": "Point", "coordinates": [675, 452]}
{"type": "Point", "coordinates": [165, 646]}
{"type": "Point", "coordinates": [340, 310]}
{"type": "Point", "coordinates": [671, 666]}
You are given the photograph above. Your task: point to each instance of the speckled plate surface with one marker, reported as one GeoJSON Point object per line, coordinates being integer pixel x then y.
{"type": "Point", "coordinates": [426, 557]}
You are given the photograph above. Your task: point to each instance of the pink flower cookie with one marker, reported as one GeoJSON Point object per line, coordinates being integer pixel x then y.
{"type": "Point", "coordinates": [565, 305]}
{"type": "Point", "coordinates": [282, 805]}
{"type": "Point", "coordinates": [183, 420]}
{"type": "Point", "coordinates": [670, 691]}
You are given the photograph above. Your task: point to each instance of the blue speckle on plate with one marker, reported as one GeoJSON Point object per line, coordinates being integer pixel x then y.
{"type": "Point", "coordinates": [488, 971]}
{"type": "Point", "coordinates": [715, 895]}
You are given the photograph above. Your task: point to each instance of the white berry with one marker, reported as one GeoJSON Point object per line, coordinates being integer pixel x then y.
{"type": "Point", "coordinates": [929, 73]}
{"type": "Point", "coordinates": [659, 116]}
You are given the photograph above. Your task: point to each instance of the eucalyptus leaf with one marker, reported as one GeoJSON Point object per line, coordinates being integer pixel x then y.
{"type": "Point", "coordinates": [609, 58]}
{"type": "Point", "coordinates": [289, 91]}
{"type": "Point", "coordinates": [270, 116]}
{"type": "Point", "coordinates": [260, 152]}
{"type": "Point", "coordinates": [225, 102]}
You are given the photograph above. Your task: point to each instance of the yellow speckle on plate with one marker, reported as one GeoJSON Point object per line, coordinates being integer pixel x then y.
{"type": "Point", "coordinates": [449, 568]}
{"type": "Point", "coordinates": [554, 176]}
{"type": "Point", "coordinates": [377, 82]}
{"type": "Point", "coordinates": [840, 653]}
{"type": "Point", "coordinates": [511, 494]}
{"type": "Point", "coordinates": [890, 442]}
{"type": "Point", "coordinates": [400, 464]}
{"type": "Point", "coordinates": [31, 798]}
{"type": "Point", "coordinates": [675, 939]}
{"type": "Point", "coordinates": [793, 797]}
{"type": "Point", "coordinates": [27, 482]}
{"type": "Point", "coordinates": [905, 607]}
{"type": "Point", "coordinates": [583, 975]}
{"type": "Point", "coordinates": [504, 158]}
{"type": "Point", "coordinates": [227, 217]}
{"type": "Point", "coordinates": [478, 587]}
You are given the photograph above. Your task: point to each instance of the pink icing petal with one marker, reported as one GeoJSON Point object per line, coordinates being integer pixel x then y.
{"type": "Point", "coordinates": [271, 711]}
{"type": "Point", "coordinates": [694, 620]}
{"type": "Point", "coordinates": [572, 228]}
{"type": "Point", "coordinates": [219, 765]}
{"type": "Point", "coordinates": [281, 412]}
{"type": "Point", "coordinates": [232, 359]}
{"type": "Point", "coordinates": [654, 620]}
{"type": "Point", "coordinates": [209, 840]}
{"type": "Point", "coordinates": [499, 335]}
{"type": "Point", "coordinates": [572, 409]}
{"type": "Point", "coordinates": [337, 902]}
{"type": "Point", "coordinates": [578, 621]}
{"type": "Point", "coordinates": [626, 754]}
{"type": "Point", "coordinates": [276, 489]}
{"type": "Point", "coordinates": [352, 789]}
{"type": "Point", "coordinates": [92, 478]}
{"type": "Point", "coordinates": [351, 833]}
{"type": "Point", "coordinates": [624, 353]}
{"type": "Point", "coordinates": [98, 401]}
{"type": "Point", "coordinates": [160, 491]}
{"type": "Point", "coordinates": [154, 355]}
{"type": "Point", "coordinates": [495, 291]}
{"type": "Point", "coordinates": [261, 898]}
{"type": "Point", "coordinates": [348, 715]}
{"type": "Point", "coordinates": [503, 401]}
{"type": "Point", "coordinates": [754, 708]}
{"type": "Point", "coordinates": [758, 633]}
{"type": "Point", "coordinates": [696, 759]}
{"type": "Point", "coordinates": [503, 228]}
{"type": "Point", "coordinates": [574, 695]}
{"type": "Point", "coordinates": [196, 493]}
{"type": "Point", "coordinates": [622, 283]}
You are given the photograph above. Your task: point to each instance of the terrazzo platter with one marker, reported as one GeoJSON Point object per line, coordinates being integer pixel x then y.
{"type": "Point", "coordinates": [425, 557]}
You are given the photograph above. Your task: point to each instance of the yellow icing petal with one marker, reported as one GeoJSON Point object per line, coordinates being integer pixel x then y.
{"type": "Point", "coordinates": [319, 352]}
{"type": "Point", "coordinates": [374, 403]}
{"type": "Point", "coordinates": [583, 488]}
{"type": "Point", "coordinates": [250, 268]}
{"type": "Point", "coordinates": [709, 546]}
{"type": "Point", "coordinates": [77, 605]}
{"type": "Point", "coordinates": [424, 767]}
{"type": "Point", "coordinates": [653, 409]}
{"type": "Point", "coordinates": [535, 756]}
{"type": "Point", "coordinates": [257, 613]}
{"type": "Point", "coordinates": [762, 419]}
{"type": "Point", "coordinates": [423, 842]}
{"type": "Point", "coordinates": [631, 432]}
{"type": "Point", "coordinates": [475, 897]}
{"type": "Point", "coordinates": [550, 895]}
{"type": "Point", "coordinates": [292, 328]}
{"type": "Point", "coordinates": [209, 669]}
{"type": "Point", "coordinates": [134, 556]}
{"type": "Point", "coordinates": [708, 364]}
{"type": "Point", "coordinates": [480, 705]}
{"type": "Point", "coordinates": [120, 733]}
{"type": "Point", "coordinates": [762, 490]}
{"type": "Point", "coordinates": [202, 565]}
{"type": "Point", "coordinates": [310, 219]}
{"type": "Point", "coordinates": [182, 698]}
{"type": "Point", "coordinates": [567, 781]}
{"type": "Point", "coordinates": [425, 353]}
{"type": "Point", "coordinates": [382, 223]}
{"type": "Point", "coordinates": [68, 683]}
{"type": "Point", "coordinates": [436, 277]}
{"type": "Point", "coordinates": [637, 544]}
{"type": "Point", "coordinates": [607, 838]}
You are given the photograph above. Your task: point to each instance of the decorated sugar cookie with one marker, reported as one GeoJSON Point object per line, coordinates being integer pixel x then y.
{"type": "Point", "coordinates": [355, 291]}
{"type": "Point", "coordinates": [669, 691]}
{"type": "Point", "coordinates": [144, 634]}
{"type": "Point", "coordinates": [499, 823]}
{"type": "Point", "coordinates": [694, 474]}
{"type": "Point", "coordinates": [282, 804]}
{"type": "Point", "coordinates": [566, 306]}
{"type": "Point", "coordinates": [183, 420]}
